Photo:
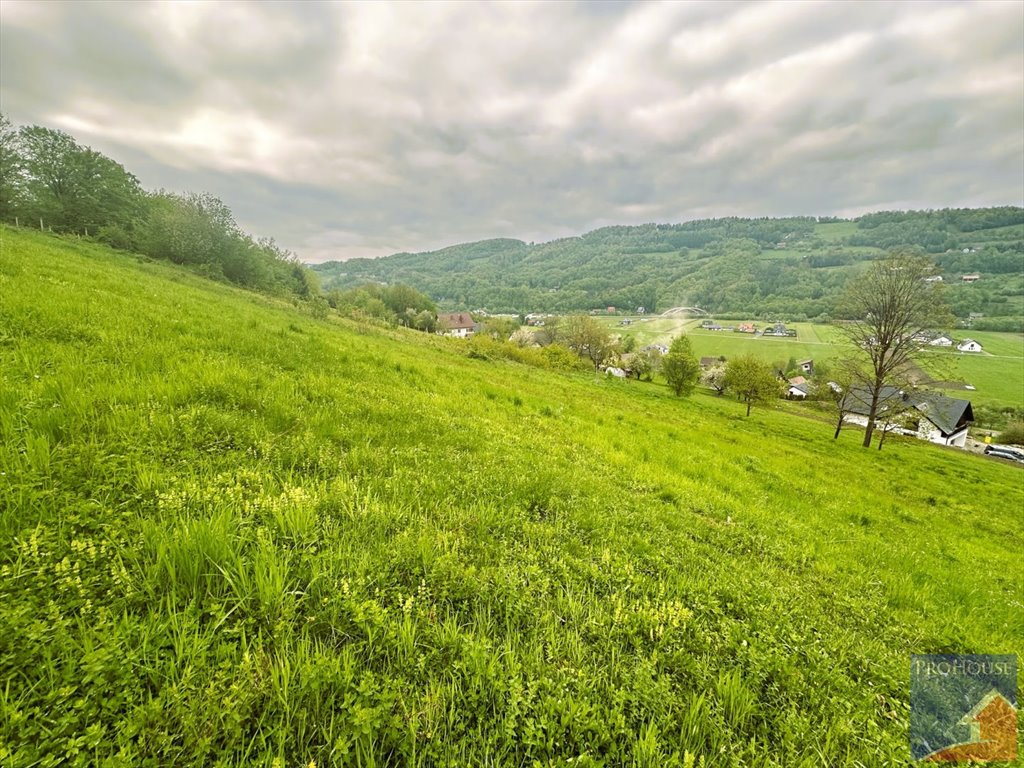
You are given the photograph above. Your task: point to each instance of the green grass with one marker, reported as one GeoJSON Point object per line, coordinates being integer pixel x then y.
{"type": "Point", "coordinates": [237, 535]}
{"type": "Point", "coordinates": [1000, 344]}
{"type": "Point", "coordinates": [997, 374]}
{"type": "Point", "coordinates": [835, 231]}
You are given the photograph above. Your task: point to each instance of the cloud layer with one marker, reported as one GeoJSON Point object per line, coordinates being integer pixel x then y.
{"type": "Point", "coordinates": [363, 129]}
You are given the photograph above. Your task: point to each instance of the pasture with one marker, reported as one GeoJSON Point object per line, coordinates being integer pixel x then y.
{"type": "Point", "coordinates": [233, 533]}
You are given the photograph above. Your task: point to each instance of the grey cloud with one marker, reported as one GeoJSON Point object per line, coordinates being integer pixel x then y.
{"type": "Point", "coordinates": [362, 129]}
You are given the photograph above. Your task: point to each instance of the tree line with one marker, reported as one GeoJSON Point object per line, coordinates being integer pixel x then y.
{"type": "Point", "coordinates": [764, 268]}
{"type": "Point", "coordinates": [51, 181]}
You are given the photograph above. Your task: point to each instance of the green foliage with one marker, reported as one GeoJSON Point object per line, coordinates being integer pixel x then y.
{"type": "Point", "coordinates": [70, 187]}
{"type": "Point", "coordinates": [233, 534]}
{"type": "Point", "coordinates": [587, 338]}
{"type": "Point", "coordinates": [758, 268]}
{"type": "Point", "coordinates": [50, 180]}
{"type": "Point", "coordinates": [393, 304]}
{"type": "Point", "coordinates": [1013, 434]}
{"type": "Point", "coordinates": [680, 366]}
{"type": "Point", "coordinates": [752, 380]}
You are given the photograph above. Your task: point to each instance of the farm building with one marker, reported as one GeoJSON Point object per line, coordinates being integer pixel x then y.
{"type": "Point", "coordinates": [969, 345]}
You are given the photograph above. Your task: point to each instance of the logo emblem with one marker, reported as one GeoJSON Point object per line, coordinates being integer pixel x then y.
{"type": "Point", "coordinates": [963, 708]}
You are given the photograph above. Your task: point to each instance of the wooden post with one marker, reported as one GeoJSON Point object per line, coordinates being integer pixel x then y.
{"type": "Point", "coordinates": [16, 222]}
{"type": "Point", "coordinates": [41, 228]}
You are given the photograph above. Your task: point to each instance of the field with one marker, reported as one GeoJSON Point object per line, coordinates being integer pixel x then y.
{"type": "Point", "coordinates": [997, 374]}
{"type": "Point", "coordinates": [235, 534]}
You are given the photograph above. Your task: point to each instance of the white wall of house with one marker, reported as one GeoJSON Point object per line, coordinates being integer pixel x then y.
{"type": "Point", "coordinates": [969, 346]}
{"type": "Point", "coordinates": [928, 431]}
{"type": "Point", "coordinates": [942, 341]}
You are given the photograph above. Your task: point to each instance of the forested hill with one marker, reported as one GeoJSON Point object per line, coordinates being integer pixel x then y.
{"type": "Point", "coordinates": [765, 267]}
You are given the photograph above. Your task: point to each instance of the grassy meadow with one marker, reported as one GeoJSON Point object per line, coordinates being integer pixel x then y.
{"type": "Point", "coordinates": [997, 373]}
{"type": "Point", "coordinates": [235, 534]}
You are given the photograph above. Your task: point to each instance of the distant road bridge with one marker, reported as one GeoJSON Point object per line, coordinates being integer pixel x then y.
{"type": "Point", "coordinates": [676, 311]}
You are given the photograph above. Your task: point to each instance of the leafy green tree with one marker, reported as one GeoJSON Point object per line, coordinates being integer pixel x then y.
{"type": "Point", "coordinates": [73, 188]}
{"type": "Point", "coordinates": [588, 338]}
{"type": "Point", "coordinates": [644, 364]}
{"type": "Point", "coordinates": [680, 366]}
{"type": "Point", "coordinates": [499, 327]}
{"type": "Point", "coordinates": [426, 321]}
{"type": "Point", "coordinates": [10, 170]}
{"type": "Point", "coordinates": [189, 229]}
{"type": "Point", "coordinates": [752, 379]}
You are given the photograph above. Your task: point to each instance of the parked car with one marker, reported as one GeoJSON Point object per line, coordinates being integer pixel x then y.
{"type": "Point", "coordinates": [1005, 452]}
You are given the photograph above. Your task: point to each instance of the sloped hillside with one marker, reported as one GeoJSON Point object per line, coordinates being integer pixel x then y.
{"type": "Point", "coordinates": [235, 534]}
{"type": "Point", "coordinates": [791, 267]}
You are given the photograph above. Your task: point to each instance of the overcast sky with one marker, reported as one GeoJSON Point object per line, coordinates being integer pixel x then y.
{"type": "Point", "coordinates": [364, 129]}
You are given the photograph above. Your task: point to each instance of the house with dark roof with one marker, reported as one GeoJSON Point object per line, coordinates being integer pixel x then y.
{"type": "Point", "coordinates": [797, 388]}
{"type": "Point", "coordinates": [459, 324]}
{"type": "Point", "coordinates": [925, 415]}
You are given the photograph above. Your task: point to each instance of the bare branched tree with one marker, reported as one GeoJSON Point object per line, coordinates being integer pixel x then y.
{"type": "Point", "coordinates": [892, 309]}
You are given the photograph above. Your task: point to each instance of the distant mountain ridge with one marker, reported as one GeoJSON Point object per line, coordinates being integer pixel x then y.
{"type": "Point", "coordinates": [792, 267]}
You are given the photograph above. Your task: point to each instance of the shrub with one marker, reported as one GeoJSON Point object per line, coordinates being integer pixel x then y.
{"type": "Point", "coordinates": [1013, 434]}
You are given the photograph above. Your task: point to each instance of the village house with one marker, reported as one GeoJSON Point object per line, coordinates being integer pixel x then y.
{"type": "Point", "coordinates": [969, 345]}
{"type": "Point", "coordinates": [779, 329]}
{"type": "Point", "coordinates": [933, 279]}
{"type": "Point", "coordinates": [941, 341]}
{"type": "Point", "coordinates": [746, 328]}
{"type": "Point", "coordinates": [807, 366]}
{"type": "Point", "coordinates": [457, 324]}
{"type": "Point", "coordinates": [971, 278]}
{"type": "Point", "coordinates": [797, 388]}
{"type": "Point", "coordinates": [924, 415]}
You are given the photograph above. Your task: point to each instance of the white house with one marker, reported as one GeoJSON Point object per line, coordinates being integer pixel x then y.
{"type": "Point", "coordinates": [941, 341]}
{"type": "Point", "coordinates": [935, 418]}
{"type": "Point", "coordinates": [797, 391]}
{"type": "Point", "coordinates": [933, 279]}
{"type": "Point", "coordinates": [458, 324]}
{"type": "Point", "coordinates": [969, 345]}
